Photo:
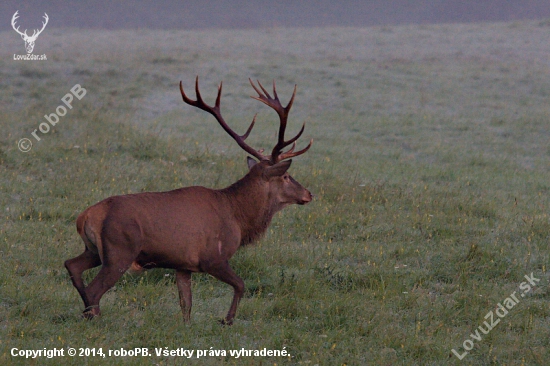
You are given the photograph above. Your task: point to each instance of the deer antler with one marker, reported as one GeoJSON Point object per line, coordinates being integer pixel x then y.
{"type": "Point", "coordinates": [277, 154]}
{"type": "Point", "coordinates": [215, 111]}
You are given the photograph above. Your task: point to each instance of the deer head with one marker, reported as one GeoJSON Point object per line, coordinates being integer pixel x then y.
{"type": "Point", "coordinates": [270, 169]}
{"type": "Point", "coordinates": [29, 40]}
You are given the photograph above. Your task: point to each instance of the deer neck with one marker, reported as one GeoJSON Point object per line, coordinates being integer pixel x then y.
{"type": "Point", "coordinates": [252, 206]}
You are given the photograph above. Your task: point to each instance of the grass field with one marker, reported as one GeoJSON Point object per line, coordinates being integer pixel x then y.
{"type": "Point", "coordinates": [430, 168]}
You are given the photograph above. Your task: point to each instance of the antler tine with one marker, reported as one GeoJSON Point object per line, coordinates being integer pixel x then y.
{"type": "Point", "coordinates": [291, 101]}
{"type": "Point", "coordinates": [185, 98]}
{"type": "Point", "coordinates": [291, 154]}
{"type": "Point", "coordinates": [295, 137]}
{"type": "Point", "coordinates": [219, 97]}
{"type": "Point", "coordinates": [291, 149]}
{"type": "Point", "coordinates": [274, 90]}
{"type": "Point", "coordinates": [265, 91]}
{"type": "Point", "coordinates": [215, 111]}
{"type": "Point", "coordinates": [197, 91]}
{"type": "Point", "coordinates": [244, 137]}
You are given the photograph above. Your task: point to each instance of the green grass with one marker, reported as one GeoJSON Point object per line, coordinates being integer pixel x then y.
{"type": "Point", "coordinates": [429, 166]}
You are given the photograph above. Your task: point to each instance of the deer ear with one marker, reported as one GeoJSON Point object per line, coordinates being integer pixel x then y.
{"type": "Point", "coordinates": [278, 169]}
{"type": "Point", "coordinates": [251, 162]}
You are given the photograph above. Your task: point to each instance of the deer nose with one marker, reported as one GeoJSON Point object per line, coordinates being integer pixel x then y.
{"type": "Point", "coordinates": [307, 198]}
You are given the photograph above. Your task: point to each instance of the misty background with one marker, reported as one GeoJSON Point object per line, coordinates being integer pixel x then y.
{"type": "Point", "coordinates": [172, 14]}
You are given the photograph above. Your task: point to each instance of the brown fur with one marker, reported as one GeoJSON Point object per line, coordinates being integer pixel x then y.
{"type": "Point", "coordinates": [192, 229]}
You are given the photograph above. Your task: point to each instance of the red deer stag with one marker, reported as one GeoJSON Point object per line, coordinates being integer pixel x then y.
{"type": "Point", "coordinates": [192, 229]}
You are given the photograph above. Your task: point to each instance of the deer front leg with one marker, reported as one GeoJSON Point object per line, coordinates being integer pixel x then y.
{"type": "Point", "coordinates": [183, 280]}
{"type": "Point", "coordinates": [224, 273]}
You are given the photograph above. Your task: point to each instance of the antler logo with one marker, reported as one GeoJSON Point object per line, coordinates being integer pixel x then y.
{"type": "Point", "coordinates": [29, 40]}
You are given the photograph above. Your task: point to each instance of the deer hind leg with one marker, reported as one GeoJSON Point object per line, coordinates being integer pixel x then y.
{"type": "Point", "coordinates": [115, 263]}
{"type": "Point", "coordinates": [224, 273]}
{"type": "Point", "coordinates": [183, 279]}
{"type": "Point", "coordinates": [76, 266]}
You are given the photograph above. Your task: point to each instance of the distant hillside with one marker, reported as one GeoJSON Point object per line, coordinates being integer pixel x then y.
{"type": "Point", "coordinates": [174, 14]}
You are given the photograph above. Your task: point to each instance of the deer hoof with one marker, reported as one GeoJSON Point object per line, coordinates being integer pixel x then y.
{"type": "Point", "coordinates": [90, 313]}
{"type": "Point", "coordinates": [225, 322]}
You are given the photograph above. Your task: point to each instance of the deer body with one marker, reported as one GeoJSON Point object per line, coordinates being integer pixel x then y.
{"type": "Point", "coordinates": [192, 229]}
{"type": "Point", "coordinates": [178, 230]}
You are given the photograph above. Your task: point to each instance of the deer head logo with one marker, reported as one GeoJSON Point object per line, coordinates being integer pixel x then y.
{"type": "Point", "coordinates": [29, 40]}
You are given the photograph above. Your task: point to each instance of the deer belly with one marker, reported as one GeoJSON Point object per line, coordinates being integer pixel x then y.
{"type": "Point", "coordinates": [176, 259]}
